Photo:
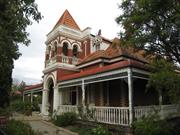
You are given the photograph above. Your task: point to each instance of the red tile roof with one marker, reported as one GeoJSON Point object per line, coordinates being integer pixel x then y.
{"type": "Point", "coordinates": [67, 19]}
{"type": "Point", "coordinates": [113, 51]}
{"type": "Point", "coordinates": [33, 86]}
{"type": "Point", "coordinates": [121, 64]}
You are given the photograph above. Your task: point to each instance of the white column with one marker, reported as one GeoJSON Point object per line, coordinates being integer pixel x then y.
{"type": "Point", "coordinates": [23, 96]}
{"type": "Point", "coordinates": [45, 102]}
{"type": "Point", "coordinates": [83, 93]}
{"type": "Point", "coordinates": [130, 91]}
{"type": "Point", "coordinates": [56, 99]}
{"type": "Point", "coordinates": [77, 96]}
{"type": "Point", "coordinates": [60, 97]}
{"type": "Point", "coordinates": [160, 98]}
{"type": "Point", "coordinates": [31, 97]}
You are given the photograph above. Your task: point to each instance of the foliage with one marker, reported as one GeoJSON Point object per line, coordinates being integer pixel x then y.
{"type": "Point", "coordinates": [22, 107]}
{"type": "Point", "coordinates": [5, 112]}
{"type": "Point", "coordinates": [80, 129]}
{"type": "Point", "coordinates": [100, 130]}
{"type": "Point", "coordinates": [15, 16]}
{"type": "Point", "coordinates": [152, 25]}
{"type": "Point", "coordinates": [86, 113]}
{"type": "Point", "coordinates": [36, 101]}
{"type": "Point", "coordinates": [65, 119]}
{"type": "Point", "coordinates": [35, 106]}
{"type": "Point", "coordinates": [165, 80]}
{"type": "Point", "coordinates": [18, 128]}
{"type": "Point", "coordinates": [16, 86]}
{"type": "Point", "coordinates": [152, 125]}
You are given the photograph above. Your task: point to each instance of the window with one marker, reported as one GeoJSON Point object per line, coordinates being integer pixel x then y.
{"type": "Point", "coordinates": [97, 47]}
{"type": "Point", "coordinates": [65, 49]}
{"type": "Point", "coordinates": [75, 51]}
{"type": "Point", "coordinates": [55, 50]}
{"type": "Point", "coordinates": [49, 52]}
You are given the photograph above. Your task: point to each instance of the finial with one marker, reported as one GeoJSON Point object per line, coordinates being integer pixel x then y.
{"type": "Point", "coordinates": [99, 32]}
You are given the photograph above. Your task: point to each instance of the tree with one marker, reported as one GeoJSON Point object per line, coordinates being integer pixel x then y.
{"type": "Point", "coordinates": [165, 80]}
{"type": "Point", "coordinates": [15, 16]}
{"type": "Point", "coordinates": [16, 86]}
{"type": "Point", "coordinates": [152, 25]}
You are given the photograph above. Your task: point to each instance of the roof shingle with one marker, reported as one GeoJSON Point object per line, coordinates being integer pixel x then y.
{"type": "Point", "coordinates": [67, 19]}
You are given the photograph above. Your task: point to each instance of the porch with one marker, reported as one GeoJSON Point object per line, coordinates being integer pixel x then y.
{"type": "Point", "coordinates": [116, 97]}
{"type": "Point", "coordinates": [120, 115]}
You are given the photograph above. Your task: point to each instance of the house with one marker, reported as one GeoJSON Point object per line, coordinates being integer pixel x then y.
{"type": "Point", "coordinates": [86, 69]}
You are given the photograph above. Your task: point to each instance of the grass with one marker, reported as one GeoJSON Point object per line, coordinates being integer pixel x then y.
{"type": "Point", "coordinates": [81, 129]}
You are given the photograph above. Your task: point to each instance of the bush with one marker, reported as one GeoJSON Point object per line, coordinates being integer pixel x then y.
{"type": "Point", "coordinates": [152, 125]}
{"type": "Point", "coordinates": [35, 106]}
{"type": "Point", "coordinates": [86, 113]}
{"type": "Point", "coordinates": [18, 128]}
{"type": "Point", "coordinates": [100, 130]}
{"type": "Point", "coordinates": [5, 111]}
{"type": "Point", "coordinates": [22, 107]}
{"type": "Point", "coordinates": [65, 119]}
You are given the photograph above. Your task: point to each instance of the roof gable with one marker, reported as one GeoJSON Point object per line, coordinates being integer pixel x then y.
{"type": "Point", "coordinates": [115, 50]}
{"type": "Point", "coordinates": [67, 20]}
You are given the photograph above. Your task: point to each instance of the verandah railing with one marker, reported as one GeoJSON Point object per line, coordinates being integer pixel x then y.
{"type": "Point", "coordinates": [162, 110]}
{"type": "Point", "coordinates": [120, 115]}
{"type": "Point", "coordinates": [110, 115]}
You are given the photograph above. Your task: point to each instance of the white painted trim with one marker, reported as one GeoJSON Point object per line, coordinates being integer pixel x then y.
{"type": "Point", "coordinates": [78, 45]}
{"type": "Point", "coordinates": [90, 63]}
{"type": "Point", "coordinates": [100, 60]}
{"type": "Point", "coordinates": [83, 93]}
{"type": "Point", "coordinates": [141, 77]}
{"type": "Point", "coordinates": [140, 71]}
{"type": "Point", "coordinates": [130, 95]}
{"type": "Point", "coordinates": [96, 75]}
{"type": "Point", "coordinates": [60, 65]}
{"type": "Point", "coordinates": [36, 90]}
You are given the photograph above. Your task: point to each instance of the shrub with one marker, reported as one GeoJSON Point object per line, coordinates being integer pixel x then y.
{"type": "Point", "coordinates": [152, 125]}
{"type": "Point", "coordinates": [18, 128]}
{"type": "Point", "coordinates": [27, 108]}
{"type": "Point", "coordinates": [35, 106]}
{"type": "Point", "coordinates": [22, 107]}
{"type": "Point", "coordinates": [17, 105]}
{"type": "Point", "coordinates": [100, 130]}
{"type": "Point", "coordinates": [5, 111]}
{"type": "Point", "coordinates": [86, 113]}
{"type": "Point", "coordinates": [65, 119]}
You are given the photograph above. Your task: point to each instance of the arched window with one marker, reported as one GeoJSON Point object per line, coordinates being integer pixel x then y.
{"type": "Point", "coordinates": [97, 47]}
{"type": "Point", "coordinates": [49, 51]}
{"type": "Point", "coordinates": [75, 51]}
{"type": "Point", "coordinates": [55, 50]}
{"type": "Point", "coordinates": [65, 49]}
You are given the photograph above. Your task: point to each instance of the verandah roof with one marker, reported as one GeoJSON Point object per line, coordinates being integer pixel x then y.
{"type": "Point", "coordinates": [110, 72]}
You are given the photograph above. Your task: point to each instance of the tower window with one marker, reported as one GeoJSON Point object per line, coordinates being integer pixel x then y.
{"type": "Point", "coordinates": [65, 49]}
{"type": "Point", "coordinates": [49, 51]}
{"type": "Point", "coordinates": [55, 50]}
{"type": "Point", "coordinates": [75, 50]}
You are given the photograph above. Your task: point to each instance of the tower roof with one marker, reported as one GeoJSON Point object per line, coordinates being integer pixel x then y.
{"type": "Point", "coordinates": [67, 19]}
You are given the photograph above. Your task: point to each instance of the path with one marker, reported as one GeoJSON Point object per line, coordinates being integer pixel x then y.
{"type": "Point", "coordinates": [42, 126]}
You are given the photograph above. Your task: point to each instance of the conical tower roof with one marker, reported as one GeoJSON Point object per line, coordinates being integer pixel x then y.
{"type": "Point", "coordinates": [67, 20]}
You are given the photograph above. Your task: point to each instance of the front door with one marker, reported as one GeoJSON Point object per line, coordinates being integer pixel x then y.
{"type": "Point", "coordinates": [51, 94]}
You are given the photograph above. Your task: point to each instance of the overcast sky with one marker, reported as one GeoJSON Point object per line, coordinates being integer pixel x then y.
{"type": "Point", "coordinates": [97, 14]}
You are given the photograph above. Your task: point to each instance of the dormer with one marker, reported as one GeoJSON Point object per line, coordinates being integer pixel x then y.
{"type": "Point", "coordinates": [99, 42]}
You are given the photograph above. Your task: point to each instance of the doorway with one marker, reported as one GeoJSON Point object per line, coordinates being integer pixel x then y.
{"type": "Point", "coordinates": [51, 95]}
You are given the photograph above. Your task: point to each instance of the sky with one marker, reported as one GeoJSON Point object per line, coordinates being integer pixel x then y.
{"type": "Point", "coordinates": [96, 14]}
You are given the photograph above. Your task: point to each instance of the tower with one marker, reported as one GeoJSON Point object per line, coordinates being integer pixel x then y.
{"type": "Point", "coordinates": [66, 45]}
